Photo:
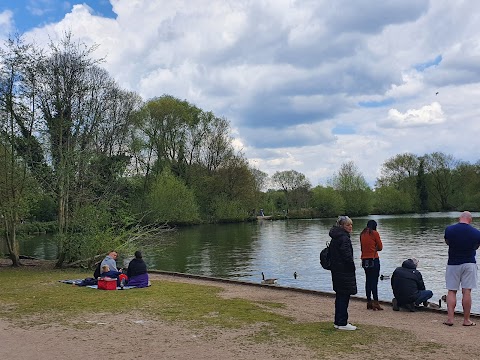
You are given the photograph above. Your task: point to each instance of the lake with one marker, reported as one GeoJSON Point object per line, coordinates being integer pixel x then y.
{"type": "Point", "coordinates": [280, 248]}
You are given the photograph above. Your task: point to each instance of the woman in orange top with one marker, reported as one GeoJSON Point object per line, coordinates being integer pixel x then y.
{"type": "Point", "coordinates": [371, 244]}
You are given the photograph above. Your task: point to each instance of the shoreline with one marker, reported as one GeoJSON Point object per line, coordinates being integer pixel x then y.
{"type": "Point", "coordinates": [293, 289]}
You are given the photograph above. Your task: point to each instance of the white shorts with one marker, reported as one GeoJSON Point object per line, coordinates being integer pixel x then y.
{"type": "Point", "coordinates": [463, 275]}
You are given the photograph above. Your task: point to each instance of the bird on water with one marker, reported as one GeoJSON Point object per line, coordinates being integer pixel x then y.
{"type": "Point", "coordinates": [268, 281]}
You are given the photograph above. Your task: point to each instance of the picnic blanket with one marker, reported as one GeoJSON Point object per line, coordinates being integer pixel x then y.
{"type": "Point", "coordinates": [85, 283]}
{"type": "Point", "coordinates": [118, 287]}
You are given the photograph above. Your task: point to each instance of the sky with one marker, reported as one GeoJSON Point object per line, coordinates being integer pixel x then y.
{"type": "Point", "coordinates": [306, 85]}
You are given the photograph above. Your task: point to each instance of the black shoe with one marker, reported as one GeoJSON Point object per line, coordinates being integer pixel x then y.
{"type": "Point", "coordinates": [425, 303]}
{"type": "Point", "coordinates": [410, 307]}
{"type": "Point", "coordinates": [395, 305]}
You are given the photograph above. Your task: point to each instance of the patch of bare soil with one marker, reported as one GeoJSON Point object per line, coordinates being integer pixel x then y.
{"type": "Point", "coordinates": [134, 336]}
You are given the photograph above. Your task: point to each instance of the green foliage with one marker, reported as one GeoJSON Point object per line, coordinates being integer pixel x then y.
{"type": "Point", "coordinates": [352, 186]}
{"type": "Point", "coordinates": [358, 202]}
{"type": "Point", "coordinates": [440, 168]}
{"type": "Point", "coordinates": [171, 201]}
{"type": "Point", "coordinates": [422, 187]}
{"type": "Point", "coordinates": [327, 201]}
{"type": "Point", "coordinates": [228, 210]}
{"type": "Point", "coordinates": [90, 233]}
{"type": "Point", "coordinates": [44, 209]}
{"type": "Point", "coordinates": [296, 187]}
{"type": "Point", "coordinates": [389, 200]}
{"type": "Point", "coordinates": [274, 202]}
{"type": "Point", "coordinates": [38, 227]}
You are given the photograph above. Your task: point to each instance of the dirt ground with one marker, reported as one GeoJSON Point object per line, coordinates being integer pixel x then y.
{"type": "Point", "coordinates": [149, 339]}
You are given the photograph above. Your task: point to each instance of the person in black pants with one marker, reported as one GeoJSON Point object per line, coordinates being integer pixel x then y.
{"type": "Point", "coordinates": [343, 270]}
{"type": "Point", "coordinates": [371, 244]}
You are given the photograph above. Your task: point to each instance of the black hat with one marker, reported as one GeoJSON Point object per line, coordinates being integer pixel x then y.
{"type": "Point", "coordinates": [138, 254]}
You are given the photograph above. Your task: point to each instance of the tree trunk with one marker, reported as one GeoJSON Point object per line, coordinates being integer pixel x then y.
{"type": "Point", "coordinates": [12, 243]}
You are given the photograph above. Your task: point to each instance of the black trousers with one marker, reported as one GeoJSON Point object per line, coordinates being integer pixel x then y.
{"type": "Point", "coordinates": [371, 280]}
{"type": "Point", "coordinates": [341, 309]}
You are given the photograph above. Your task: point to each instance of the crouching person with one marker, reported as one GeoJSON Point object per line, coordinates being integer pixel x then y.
{"type": "Point", "coordinates": [408, 287]}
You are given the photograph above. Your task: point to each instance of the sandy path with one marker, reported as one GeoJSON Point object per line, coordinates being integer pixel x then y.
{"type": "Point", "coordinates": [150, 339]}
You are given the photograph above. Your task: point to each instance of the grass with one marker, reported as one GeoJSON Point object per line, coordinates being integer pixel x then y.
{"type": "Point", "coordinates": [29, 295]}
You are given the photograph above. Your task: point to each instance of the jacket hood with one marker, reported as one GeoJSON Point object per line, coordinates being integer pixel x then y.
{"type": "Point", "coordinates": [409, 264]}
{"type": "Point", "coordinates": [337, 231]}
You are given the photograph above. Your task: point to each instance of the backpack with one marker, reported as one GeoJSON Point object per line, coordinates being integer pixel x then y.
{"type": "Point", "coordinates": [325, 257]}
{"type": "Point", "coordinates": [96, 273]}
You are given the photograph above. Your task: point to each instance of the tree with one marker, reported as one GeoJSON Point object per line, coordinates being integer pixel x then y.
{"type": "Point", "coordinates": [466, 186]}
{"type": "Point", "coordinates": [170, 201]}
{"type": "Point", "coordinates": [440, 167]}
{"type": "Point", "coordinates": [390, 200]}
{"type": "Point", "coordinates": [16, 193]}
{"type": "Point", "coordinates": [294, 185]}
{"type": "Point", "coordinates": [327, 201]}
{"type": "Point", "coordinates": [260, 178]}
{"type": "Point", "coordinates": [422, 186]}
{"type": "Point", "coordinates": [351, 184]}
{"type": "Point", "coordinates": [15, 181]}
{"type": "Point", "coordinates": [400, 172]}
{"type": "Point", "coordinates": [66, 109]}
{"type": "Point", "coordinates": [397, 171]}
{"type": "Point", "coordinates": [235, 184]}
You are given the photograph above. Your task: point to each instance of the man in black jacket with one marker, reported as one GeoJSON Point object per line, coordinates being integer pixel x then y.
{"type": "Point", "coordinates": [408, 286]}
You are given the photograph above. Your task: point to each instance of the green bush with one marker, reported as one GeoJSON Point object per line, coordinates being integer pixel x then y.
{"type": "Point", "coordinates": [229, 210]}
{"type": "Point", "coordinates": [171, 201]}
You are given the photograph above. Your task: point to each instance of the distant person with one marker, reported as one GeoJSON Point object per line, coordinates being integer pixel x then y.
{"type": "Point", "coordinates": [463, 240]}
{"type": "Point", "coordinates": [137, 271]}
{"type": "Point", "coordinates": [371, 244]}
{"type": "Point", "coordinates": [408, 287]}
{"type": "Point", "coordinates": [343, 270]}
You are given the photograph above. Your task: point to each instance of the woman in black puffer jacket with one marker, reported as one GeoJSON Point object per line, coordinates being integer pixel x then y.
{"type": "Point", "coordinates": [343, 270]}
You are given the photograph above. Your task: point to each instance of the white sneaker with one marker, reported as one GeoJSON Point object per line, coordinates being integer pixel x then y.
{"type": "Point", "coordinates": [335, 326]}
{"type": "Point", "coordinates": [347, 327]}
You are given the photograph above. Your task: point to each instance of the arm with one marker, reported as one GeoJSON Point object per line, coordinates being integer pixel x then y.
{"type": "Point", "coordinates": [378, 241]}
{"type": "Point", "coordinates": [111, 264]}
{"type": "Point", "coordinates": [420, 283]}
{"type": "Point", "coordinates": [445, 236]}
{"type": "Point", "coordinates": [346, 252]}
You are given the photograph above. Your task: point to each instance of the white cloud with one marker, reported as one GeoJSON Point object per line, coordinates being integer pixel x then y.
{"type": "Point", "coordinates": [425, 116]}
{"type": "Point", "coordinates": [6, 23]}
{"type": "Point", "coordinates": [412, 85]}
{"type": "Point", "coordinates": [289, 74]}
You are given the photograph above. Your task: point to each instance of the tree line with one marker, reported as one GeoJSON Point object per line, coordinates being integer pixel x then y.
{"type": "Point", "coordinates": [110, 168]}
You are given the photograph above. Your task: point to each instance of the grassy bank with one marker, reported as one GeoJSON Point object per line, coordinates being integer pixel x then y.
{"type": "Point", "coordinates": [29, 295]}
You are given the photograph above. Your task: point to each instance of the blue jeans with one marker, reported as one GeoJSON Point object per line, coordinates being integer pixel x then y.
{"type": "Point", "coordinates": [341, 309]}
{"type": "Point", "coordinates": [423, 295]}
{"type": "Point", "coordinates": [371, 280]}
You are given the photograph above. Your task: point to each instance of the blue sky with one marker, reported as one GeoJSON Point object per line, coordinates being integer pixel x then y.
{"type": "Point", "coordinates": [28, 14]}
{"type": "Point", "coordinates": [306, 85]}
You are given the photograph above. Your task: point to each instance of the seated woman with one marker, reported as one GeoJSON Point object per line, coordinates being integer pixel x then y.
{"type": "Point", "coordinates": [137, 272]}
{"type": "Point", "coordinates": [121, 277]}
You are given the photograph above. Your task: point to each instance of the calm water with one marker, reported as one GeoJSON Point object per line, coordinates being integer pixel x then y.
{"type": "Point", "coordinates": [280, 248]}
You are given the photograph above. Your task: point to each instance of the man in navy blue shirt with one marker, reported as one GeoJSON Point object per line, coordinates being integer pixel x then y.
{"type": "Point", "coordinates": [463, 240]}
